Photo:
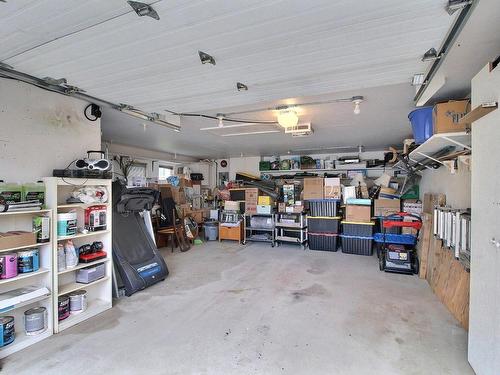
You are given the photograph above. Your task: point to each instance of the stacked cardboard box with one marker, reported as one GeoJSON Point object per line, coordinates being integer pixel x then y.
{"type": "Point", "coordinates": [251, 200]}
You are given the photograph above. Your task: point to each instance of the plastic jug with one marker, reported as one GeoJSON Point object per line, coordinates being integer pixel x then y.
{"type": "Point", "coordinates": [34, 191]}
{"type": "Point", "coordinates": [11, 192]}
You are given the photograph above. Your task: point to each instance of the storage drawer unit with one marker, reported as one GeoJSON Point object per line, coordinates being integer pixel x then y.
{"type": "Point", "coordinates": [357, 245]}
{"type": "Point", "coordinates": [323, 224]}
{"type": "Point", "coordinates": [322, 241]}
{"type": "Point", "coordinates": [351, 228]}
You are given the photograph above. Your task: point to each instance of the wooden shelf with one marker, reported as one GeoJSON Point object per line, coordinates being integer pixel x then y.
{"type": "Point", "coordinates": [23, 341]}
{"type": "Point", "coordinates": [22, 276]}
{"type": "Point", "coordinates": [25, 303]}
{"type": "Point", "coordinates": [71, 287]}
{"type": "Point", "coordinates": [27, 212]}
{"type": "Point", "coordinates": [82, 235]}
{"type": "Point", "coordinates": [80, 205]}
{"type": "Point", "coordinates": [478, 112]}
{"type": "Point", "coordinates": [83, 265]}
{"type": "Point", "coordinates": [94, 307]}
{"type": "Point", "coordinates": [26, 247]}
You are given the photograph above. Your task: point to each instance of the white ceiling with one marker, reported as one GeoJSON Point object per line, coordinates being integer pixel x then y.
{"type": "Point", "coordinates": [280, 49]}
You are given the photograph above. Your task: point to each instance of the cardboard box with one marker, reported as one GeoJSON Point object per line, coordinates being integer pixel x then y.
{"type": "Point", "coordinates": [281, 207]}
{"type": "Point", "coordinates": [13, 239]}
{"type": "Point", "coordinates": [360, 214]}
{"type": "Point", "coordinates": [169, 191]}
{"type": "Point", "coordinates": [294, 209]}
{"type": "Point", "coordinates": [445, 116]}
{"type": "Point", "coordinates": [313, 188]}
{"type": "Point", "coordinates": [184, 182]}
{"type": "Point", "coordinates": [384, 207]}
{"type": "Point", "coordinates": [198, 215]}
{"type": "Point", "coordinates": [332, 187]}
{"type": "Point", "coordinates": [251, 200]}
{"type": "Point", "coordinates": [265, 200]}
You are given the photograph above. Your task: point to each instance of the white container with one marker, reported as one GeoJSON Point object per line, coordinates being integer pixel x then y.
{"type": "Point", "coordinates": [66, 224]}
{"type": "Point", "coordinates": [264, 209]}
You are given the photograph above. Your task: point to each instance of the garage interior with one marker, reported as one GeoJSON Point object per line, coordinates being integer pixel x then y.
{"type": "Point", "coordinates": [236, 187]}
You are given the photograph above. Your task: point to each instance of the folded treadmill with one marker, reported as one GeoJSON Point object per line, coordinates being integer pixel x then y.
{"type": "Point", "coordinates": [135, 255]}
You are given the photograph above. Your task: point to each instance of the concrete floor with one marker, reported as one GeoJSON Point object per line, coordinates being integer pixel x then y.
{"type": "Point", "coordinates": [229, 309]}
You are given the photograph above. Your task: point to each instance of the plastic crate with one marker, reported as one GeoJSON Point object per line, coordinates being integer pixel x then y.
{"type": "Point", "coordinates": [323, 224]}
{"type": "Point", "coordinates": [351, 228]}
{"type": "Point", "coordinates": [322, 241]}
{"type": "Point", "coordinates": [401, 239]}
{"type": "Point", "coordinates": [357, 245]}
{"type": "Point", "coordinates": [324, 207]}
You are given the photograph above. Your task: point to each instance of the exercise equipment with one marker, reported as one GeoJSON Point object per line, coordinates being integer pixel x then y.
{"type": "Point", "coordinates": [135, 254]}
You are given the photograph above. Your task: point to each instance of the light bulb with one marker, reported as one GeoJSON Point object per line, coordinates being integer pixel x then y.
{"type": "Point", "coordinates": [288, 118]}
{"type": "Point", "coordinates": [221, 124]}
{"type": "Point", "coordinates": [357, 110]}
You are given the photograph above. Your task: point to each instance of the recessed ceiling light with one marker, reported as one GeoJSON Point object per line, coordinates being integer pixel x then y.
{"type": "Point", "coordinates": [205, 58]}
{"type": "Point", "coordinates": [143, 9]}
{"type": "Point", "coordinates": [241, 86]}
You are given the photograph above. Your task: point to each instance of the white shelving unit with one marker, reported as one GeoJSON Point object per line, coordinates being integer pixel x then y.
{"type": "Point", "coordinates": [436, 143]}
{"type": "Point", "coordinates": [42, 278]}
{"type": "Point", "coordinates": [99, 292]}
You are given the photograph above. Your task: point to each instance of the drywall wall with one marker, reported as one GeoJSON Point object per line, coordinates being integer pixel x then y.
{"type": "Point", "coordinates": [41, 131]}
{"type": "Point", "coordinates": [455, 186]}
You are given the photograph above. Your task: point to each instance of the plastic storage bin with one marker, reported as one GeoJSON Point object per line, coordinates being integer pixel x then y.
{"type": "Point", "coordinates": [323, 224]}
{"type": "Point", "coordinates": [211, 229]}
{"type": "Point", "coordinates": [401, 239]}
{"type": "Point", "coordinates": [322, 241]}
{"type": "Point", "coordinates": [351, 228]}
{"type": "Point", "coordinates": [357, 245]}
{"type": "Point", "coordinates": [421, 123]}
{"type": "Point", "coordinates": [323, 207]}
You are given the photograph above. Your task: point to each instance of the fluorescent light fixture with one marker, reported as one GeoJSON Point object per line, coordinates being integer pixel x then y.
{"type": "Point", "coordinates": [288, 118]}
{"type": "Point", "coordinates": [250, 133]}
{"type": "Point", "coordinates": [454, 5]}
{"type": "Point", "coordinates": [238, 125]}
{"type": "Point", "coordinates": [431, 55]}
{"type": "Point", "coordinates": [418, 79]}
{"type": "Point", "coordinates": [143, 9]}
{"type": "Point", "coordinates": [205, 58]}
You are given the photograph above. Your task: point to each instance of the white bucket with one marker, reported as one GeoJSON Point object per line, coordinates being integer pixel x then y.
{"type": "Point", "coordinates": [66, 224]}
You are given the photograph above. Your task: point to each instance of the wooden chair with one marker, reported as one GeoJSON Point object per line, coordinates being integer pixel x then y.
{"type": "Point", "coordinates": [174, 227]}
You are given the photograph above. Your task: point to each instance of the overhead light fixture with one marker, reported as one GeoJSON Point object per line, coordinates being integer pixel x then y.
{"type": "Point", "coordinates": [287, 117]}
{"type": "Point", "coordinates": [418, 79]}
{"type": "Point", "coordinates": [205, 58]}
{"type": "Point", "coordinates": [431, 55]}
{"type": "Point", "coordinates": [155, 118]}
{"type": "Point", "coordinates": [454, 5]}
{"type": "Point", "coordinates": [250, 133]}
{"type": "Point", "coordinates": [357, 100]}
{"type": "Point", "coordinates": [241, 87]}
{"type": "Point", "coordinates": [143, 9]}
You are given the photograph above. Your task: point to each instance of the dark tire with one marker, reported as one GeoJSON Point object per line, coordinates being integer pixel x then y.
{"type": "Point", "coordinates": [416, 265]}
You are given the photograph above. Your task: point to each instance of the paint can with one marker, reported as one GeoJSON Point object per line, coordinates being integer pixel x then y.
{"type": "Point", "coordinates": [62, 307]}
{"type": "Point", "coordinates": [66, 224]}
{"type": "Point", "coordinates": [78, 301]}
{"type": "Point", "coordinates": [7, 331]}
{"type": "Point", "coordinates": [28, 261]}
{"type": "Point", "coordinates": [9, 265]}
{"type": "Point", "coordinates": [35, 320]}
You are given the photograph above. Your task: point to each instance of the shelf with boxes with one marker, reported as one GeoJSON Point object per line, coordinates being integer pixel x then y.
{"type": "Point", "coordinates": [82, 253]}
{"type": "Point", "coordinates": [26, 310]}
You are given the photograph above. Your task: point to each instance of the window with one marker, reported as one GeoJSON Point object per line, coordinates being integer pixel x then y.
{"type": "Point", "coordinates": [164, 173]}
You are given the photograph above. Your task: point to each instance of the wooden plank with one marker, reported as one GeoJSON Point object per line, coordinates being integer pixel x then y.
{"type": "Point", "coordinates": [478, 112]}
{"type": "Point", "coordinates": [424, 244]}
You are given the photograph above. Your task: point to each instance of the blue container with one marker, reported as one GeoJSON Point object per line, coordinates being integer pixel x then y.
{"type": "Point", "coordinates": [421, 123]}
{"type": "Point", "coordinates": [401, 239]}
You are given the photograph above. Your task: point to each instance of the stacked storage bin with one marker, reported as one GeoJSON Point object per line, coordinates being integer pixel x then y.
{"type": "Point", "coordinates": [357, 229]}
{"type": "Point", "coordinates": [323, 224]}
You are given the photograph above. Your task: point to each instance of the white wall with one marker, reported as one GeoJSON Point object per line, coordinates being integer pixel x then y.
{"type": "Point", "coordinates": [41, 131]}
{"type": "Point", "coordinates": [457, 187]}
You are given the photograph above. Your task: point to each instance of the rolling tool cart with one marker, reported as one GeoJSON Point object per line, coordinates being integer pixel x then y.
{"type": "Point", "coordinates": [397, 252]}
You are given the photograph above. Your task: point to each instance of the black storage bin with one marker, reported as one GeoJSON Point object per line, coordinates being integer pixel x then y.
{"type": "Point", "coordinates": [323, 224]}
{"type": "Point", "coordinates": [351, 228]}
{"type": "Point", "coordinates": [324, 207]}
{"type": "Point", "coordinates": [357, 245]}
{"type": "Point", "coordinates": [393, 230]}
{"type": "Point", "coordinates": [322, 241]}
